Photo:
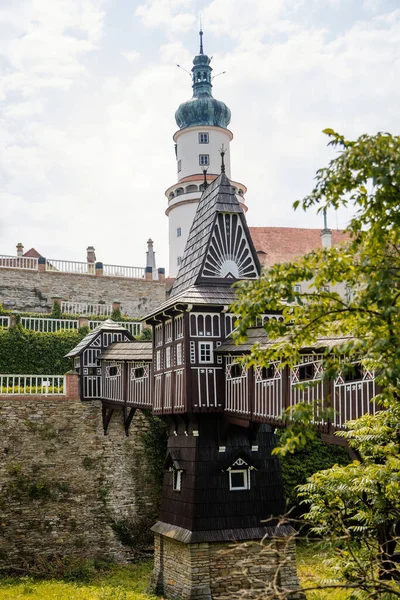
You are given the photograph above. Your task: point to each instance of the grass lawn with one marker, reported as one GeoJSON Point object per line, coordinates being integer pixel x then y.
{"type": "Point", "coordinates": [130, 583]}
{"type": "Point", "coordinates": [118, 583]}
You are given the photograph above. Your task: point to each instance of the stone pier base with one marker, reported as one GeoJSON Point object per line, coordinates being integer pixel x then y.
{"type": "Point", "coordinates": [252, 569]}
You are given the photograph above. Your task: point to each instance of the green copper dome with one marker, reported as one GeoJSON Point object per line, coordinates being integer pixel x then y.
{"type": "Point", "coordinates": [202, 108]}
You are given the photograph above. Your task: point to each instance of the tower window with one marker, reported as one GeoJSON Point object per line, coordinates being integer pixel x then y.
{"type": "Point", "coordinates": [179, 165]}
{"type": "Point", "coordinates": [178, 232]}
{"type": "Point", "coordinates": [205, 352]}
{"type": "Point", "coordinates": [204, 160]}
{"type": "Point", "coordinates": [203, 138]}
{"type": "Point", "coordinates": [176, 480]}
{"type": "Point", "coordinates": [179, 261]}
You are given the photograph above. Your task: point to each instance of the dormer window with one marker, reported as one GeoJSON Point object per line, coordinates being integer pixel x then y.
{"type": "Point", "coordinates": [239, 475]}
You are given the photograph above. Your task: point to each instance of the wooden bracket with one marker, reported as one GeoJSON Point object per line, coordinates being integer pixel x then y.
{"type": "Point", "coordinates": [106, 413]}
{"type": "Point", "coordinates": [128, 416]}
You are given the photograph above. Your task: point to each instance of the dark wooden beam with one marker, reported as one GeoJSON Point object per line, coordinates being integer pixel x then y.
{"type": "Point", "coordinates": [128, 416]}
{"type": "Point", "coordinates": [107, 413]}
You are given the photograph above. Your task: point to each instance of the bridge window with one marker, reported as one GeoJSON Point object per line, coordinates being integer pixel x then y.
{"type": "Point", "coordinates": [354, 374]}
{"type": "Point", "coordinates": [113, 371]}
{"type": "Point", "coordinates": [236, 370]}
{"type": "Point", "coordinates": [204, 160]}
{"type": "Point", "coordinates": [306, 372]}
{"type": "Point", "coordinates": [168, 357]}
{"type": "Point", "coordinates": [139, 372]}
{"type": "Point", "coordinates": [203, 138]}
{"type": "Point", "coordinates": [268, 372]}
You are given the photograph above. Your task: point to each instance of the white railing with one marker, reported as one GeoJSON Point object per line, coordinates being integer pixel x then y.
{"type": "Point", "coordinates": [70, 266]}
{"type": "Point", "coordinates": [18, 262]}
{"type": "Point", "coordinates": [49, 325]}
{"type": "Point", "coordinates": [4, 322]}
{"type": "Point", "coordinates": [134, 328]}
{"type": "Point", "coordinates": [123, 271]}
{"type": "Point", "coordinates": [44, 385]}
{"type": "Point", "coordinates": [82, 308]}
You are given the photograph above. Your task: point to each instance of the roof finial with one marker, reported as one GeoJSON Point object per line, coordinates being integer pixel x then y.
{"type": "Point", "coordinates": [222, 153]}
{"type": "Point", "coordinates": [205, 184]}
{"type": "Point", "coordinates": [201, 39]}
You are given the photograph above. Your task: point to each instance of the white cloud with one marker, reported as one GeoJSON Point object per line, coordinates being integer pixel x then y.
{"type": "Point", "coordinates": [176, 15]}
{"type": "Point", "coordinates": [131, 56]}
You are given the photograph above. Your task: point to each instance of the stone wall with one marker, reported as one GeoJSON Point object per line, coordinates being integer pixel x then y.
{"type": "Point", "coordinates": [64, 486]}
{"type": "Point", "coordinates": [32, 291]}
{"type": "Point", "coordinates": [225, 570]}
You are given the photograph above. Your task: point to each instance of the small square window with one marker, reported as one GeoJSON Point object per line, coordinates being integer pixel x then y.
{"type": "Point", "coordinates": [203, 138]}
{"type": "Point", "coordinates": [239, 479]}
{"type": "Point", "coordinates": [204, 160]}
{"type": "Point", "coordinates": [178, 232]}
{"type": "Point", "coordinates": [179, 165]}
{"type": "Point", "coordinates": [297, 287]}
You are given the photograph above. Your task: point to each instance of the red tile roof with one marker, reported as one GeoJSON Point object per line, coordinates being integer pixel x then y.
{"type": "Point", "coordinates": [282, 244]}
{"type": "Point", "coordinates": [32, 253]}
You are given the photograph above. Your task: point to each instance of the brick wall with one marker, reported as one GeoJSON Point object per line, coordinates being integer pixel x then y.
{"type": "Point", "coordinates": [63, 483]}
{"type": "Point", "coordinates": [31, 291]}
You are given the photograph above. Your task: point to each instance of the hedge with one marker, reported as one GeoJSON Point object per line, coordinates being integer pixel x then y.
{"type": "Point", "coordinates": [36, 353]}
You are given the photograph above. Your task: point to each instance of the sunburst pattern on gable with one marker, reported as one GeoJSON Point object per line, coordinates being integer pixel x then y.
{"type": "Point", "coordinates": [229, 255]}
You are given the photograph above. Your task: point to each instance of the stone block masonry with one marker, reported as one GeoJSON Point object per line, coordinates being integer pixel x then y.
{"type": "Point", "coordinates": [64, 486]}
{"type": "Point", "coordinates": [253, 570]}
{"type": "Point", "coordinates": [32, 291]}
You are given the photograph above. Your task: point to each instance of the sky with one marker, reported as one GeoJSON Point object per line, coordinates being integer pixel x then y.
{"type": "Point", "coordinates": [89, 88]}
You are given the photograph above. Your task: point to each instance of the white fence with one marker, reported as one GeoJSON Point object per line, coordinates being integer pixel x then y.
{"type": "Point", "coordinates": [134, 328]}
{"type": "Point", "coordinates": [123, 271]}
{"type": "Point", "coordinates": [18, 262]}
{"type": "Point", "coordinates": [70, 266]}
{"type": "Point", "coordinates": [81, 308]}
{"type": "Point", "coordinates": [4, 322]}
{"type": "Point", "coordinates": [44, 385]}
{"type": "Point", "coordinates": [49, 325]}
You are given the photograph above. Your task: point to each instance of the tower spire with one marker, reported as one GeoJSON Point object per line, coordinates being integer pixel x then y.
{"type": "Point", "coordinates": [201, 40]}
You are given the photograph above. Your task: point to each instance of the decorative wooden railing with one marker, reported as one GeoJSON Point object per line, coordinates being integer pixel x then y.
{"type": "Point", "coordinates": [49, 325]}
{"type": "Point", "coordinates": [123, 271]}
{"type": "Point", "coordinates": [82, 308]}
{"type": "Point", "coordinates": [134, 327]}
{"type": "Point", "coordinates": [70, 266]}
{"type": "Point", "coordinates": [55, 265]}
{"type": "Point", "coordinates": [42, 385]}
{"type": "Point", "coordinates": [18, 262]}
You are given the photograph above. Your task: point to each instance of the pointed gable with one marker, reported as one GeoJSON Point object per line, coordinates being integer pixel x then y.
{"type": "Point", "coordinates": [219, 247]}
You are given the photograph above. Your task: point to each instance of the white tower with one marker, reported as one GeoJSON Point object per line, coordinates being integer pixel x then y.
{"type": "Point", "coordinates": [202, 123]}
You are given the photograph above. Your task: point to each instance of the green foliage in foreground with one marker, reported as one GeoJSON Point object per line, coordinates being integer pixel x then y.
{"type": "Point", "coordinates": [357, 504]}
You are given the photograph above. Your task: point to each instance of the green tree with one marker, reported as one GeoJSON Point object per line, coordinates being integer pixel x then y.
{"type": "Point", "coordinates": [356, 506]}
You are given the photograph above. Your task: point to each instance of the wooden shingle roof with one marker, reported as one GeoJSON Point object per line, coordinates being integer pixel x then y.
{"type": "Point", "coordinates": [219, 197]}
{"type": "Point", "coordinates": [128, 351]}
